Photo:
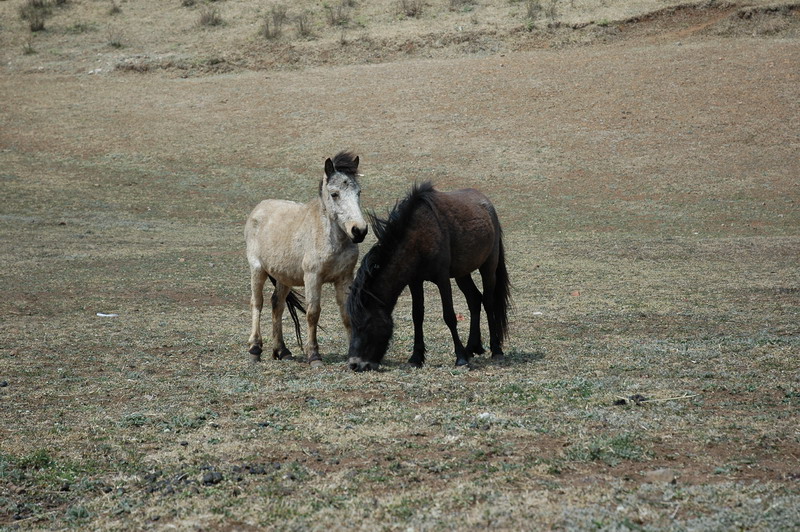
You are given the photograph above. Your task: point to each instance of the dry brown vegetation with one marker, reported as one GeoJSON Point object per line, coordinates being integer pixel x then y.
{"type": "Point", "coordinates": [642, 157]}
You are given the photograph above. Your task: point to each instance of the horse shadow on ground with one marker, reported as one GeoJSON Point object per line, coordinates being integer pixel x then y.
{"type": "Point", "coordinates": [477, 363]}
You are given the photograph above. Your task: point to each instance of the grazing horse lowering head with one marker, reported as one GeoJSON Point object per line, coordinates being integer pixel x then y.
{"type": "Point", "coordinates": [371, 320]}
{"type": "Point", "coordinates": [340, 193]}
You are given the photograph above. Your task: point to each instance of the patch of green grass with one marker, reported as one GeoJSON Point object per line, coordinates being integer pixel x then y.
{"type": "Point", "coordinates": [610, 450]}
{"type": "Point", "coordinates": [517, 393]}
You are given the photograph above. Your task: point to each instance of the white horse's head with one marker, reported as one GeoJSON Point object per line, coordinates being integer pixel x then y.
{"type": "Point", "coordinates": [341, 195]}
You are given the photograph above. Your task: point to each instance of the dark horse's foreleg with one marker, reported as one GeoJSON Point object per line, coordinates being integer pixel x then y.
{"type": "Point", "coordinates": [473, 295]}
{"type": "Point", "coordinates": [449, 315]}
{"type": "Point", "coordinates": [417, 313]}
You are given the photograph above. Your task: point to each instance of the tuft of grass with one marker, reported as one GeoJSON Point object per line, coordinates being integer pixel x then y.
{"type": "Point", "coordinates": [410, 8]}
{"type": "Point", "coordinates": [114, 9]}
{"type": "Point", "coordinates": [115, 40]}
{"type": "Point", "coordinates": [81, 27]}
{"type": "Point", "coordinates": [210, 17]}
{"type": "Point", "coordinates": [28, 48]}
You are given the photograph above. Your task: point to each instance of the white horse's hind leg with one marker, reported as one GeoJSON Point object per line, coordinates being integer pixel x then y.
{"type": "Point", "coordinates": [313, 293]}
{"type": "Point", "coordinates": [257, 279]}
{"type": "Point", "coordinates": [279, 350]}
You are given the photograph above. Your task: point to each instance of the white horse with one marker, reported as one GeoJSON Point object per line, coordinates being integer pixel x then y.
{"type": "Point", "coordinates": [296, 244]}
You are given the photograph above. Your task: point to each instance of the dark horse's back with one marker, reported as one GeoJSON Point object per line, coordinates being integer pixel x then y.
{"type": "Point", "coordinates": [468, 228]}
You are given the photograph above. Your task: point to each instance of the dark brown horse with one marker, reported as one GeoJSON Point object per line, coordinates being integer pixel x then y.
{"type": "Point", "coordinates": [430, 236]}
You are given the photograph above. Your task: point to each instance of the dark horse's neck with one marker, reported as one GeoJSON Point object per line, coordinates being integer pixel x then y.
{"type": "Point", "coordinates": [387, 283]}
{"type": "Point", "coordinates": [397, 259]}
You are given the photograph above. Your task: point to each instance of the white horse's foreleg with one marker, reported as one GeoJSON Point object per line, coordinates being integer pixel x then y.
{"type": "Point", "coordinates": [278, 300]}
{"type": "Point", "coordinates": [342, 291]}
{"type": "Point", "coordinates": [257, 279]}
{"type": "Point", "coordinates": [313, 293]}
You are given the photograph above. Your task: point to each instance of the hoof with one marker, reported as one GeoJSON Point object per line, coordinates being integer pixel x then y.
{"type": "Point", "coordinates": [498, 357]}
{"type": "Point", "coordinates": [255, 353]}
{"type": "Point", "coordinates": [281, 354]}
{"type": "Point", "coordinates": [358, 365]}
{"type": "Point", "coordinates": [476, 350]}
{"type": "Point", "coordinates": [462, 362]}
{"type": "Point", "coordinates": [316, 363]}
{"type": "Point", "coordinates": [416, 360]}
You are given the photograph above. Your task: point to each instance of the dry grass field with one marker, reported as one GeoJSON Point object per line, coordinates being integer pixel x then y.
{"type": "Point", "coordinates": [642, 156]}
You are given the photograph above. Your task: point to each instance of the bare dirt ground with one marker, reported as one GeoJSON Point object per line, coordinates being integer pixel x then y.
{"type": "Point", "coordinates": [643, 158]}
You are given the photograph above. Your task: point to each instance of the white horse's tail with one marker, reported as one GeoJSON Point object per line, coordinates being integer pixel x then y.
{"type": "Point", "coordinates": [294, 302]}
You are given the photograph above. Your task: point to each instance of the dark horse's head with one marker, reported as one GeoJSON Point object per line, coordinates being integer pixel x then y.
{"type": "Point", "coordinates": [370, 318]}
{"type": "Point", "coordinates": [381, 277]}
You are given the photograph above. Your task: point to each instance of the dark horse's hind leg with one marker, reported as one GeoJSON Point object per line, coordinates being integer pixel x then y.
{"type": "Point", "coordinates": [495, 338]}
{"type": "Point", "coordinates": [417, 314]}
{"type": "Point", "coordinates": [473, 295]}
{"type": "Point", "coordinates": [449, 315]}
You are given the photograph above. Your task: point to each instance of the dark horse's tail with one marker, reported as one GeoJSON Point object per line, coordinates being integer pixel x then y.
{"type": "Point", "coordinates": [294, 302]}
{"type": "Point", "coordinates": [502, 294]}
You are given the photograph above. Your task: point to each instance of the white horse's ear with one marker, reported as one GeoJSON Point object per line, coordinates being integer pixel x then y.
{"type": "Point", "coordinates": [329, 168]}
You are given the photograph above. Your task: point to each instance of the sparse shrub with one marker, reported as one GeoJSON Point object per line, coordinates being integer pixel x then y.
{"type": "Point", "coordinates": [338, 15]}
{"type": "Point", "coordinates": [551, 10]}
{"type": "Point", "coordinates": [278, 13]}
{"type": "Point", "coordinates": [35, 12]}
{"type": "Point", "coordinates": [533, 9]}
{"type": "Point", "coordinates": [188, 3]}
{"type": "Point", "coordinates": [268, 30]}
{"type": "Point", "coordinates": [410, 8]}
{"type": "Point", "coordinates": [461, 5]}
{"type": "Point", "coordinates": [114, 9]}
{"type": "Point", "coordinates": [272, 27]}
{"type": "Point", "coordinates": [210, 16]}
{"type": "Point", "coordinates": [303, 23]}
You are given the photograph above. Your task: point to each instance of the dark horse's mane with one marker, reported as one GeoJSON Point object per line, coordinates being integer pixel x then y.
{"type": "Point", "coordinates": [390, 232]}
